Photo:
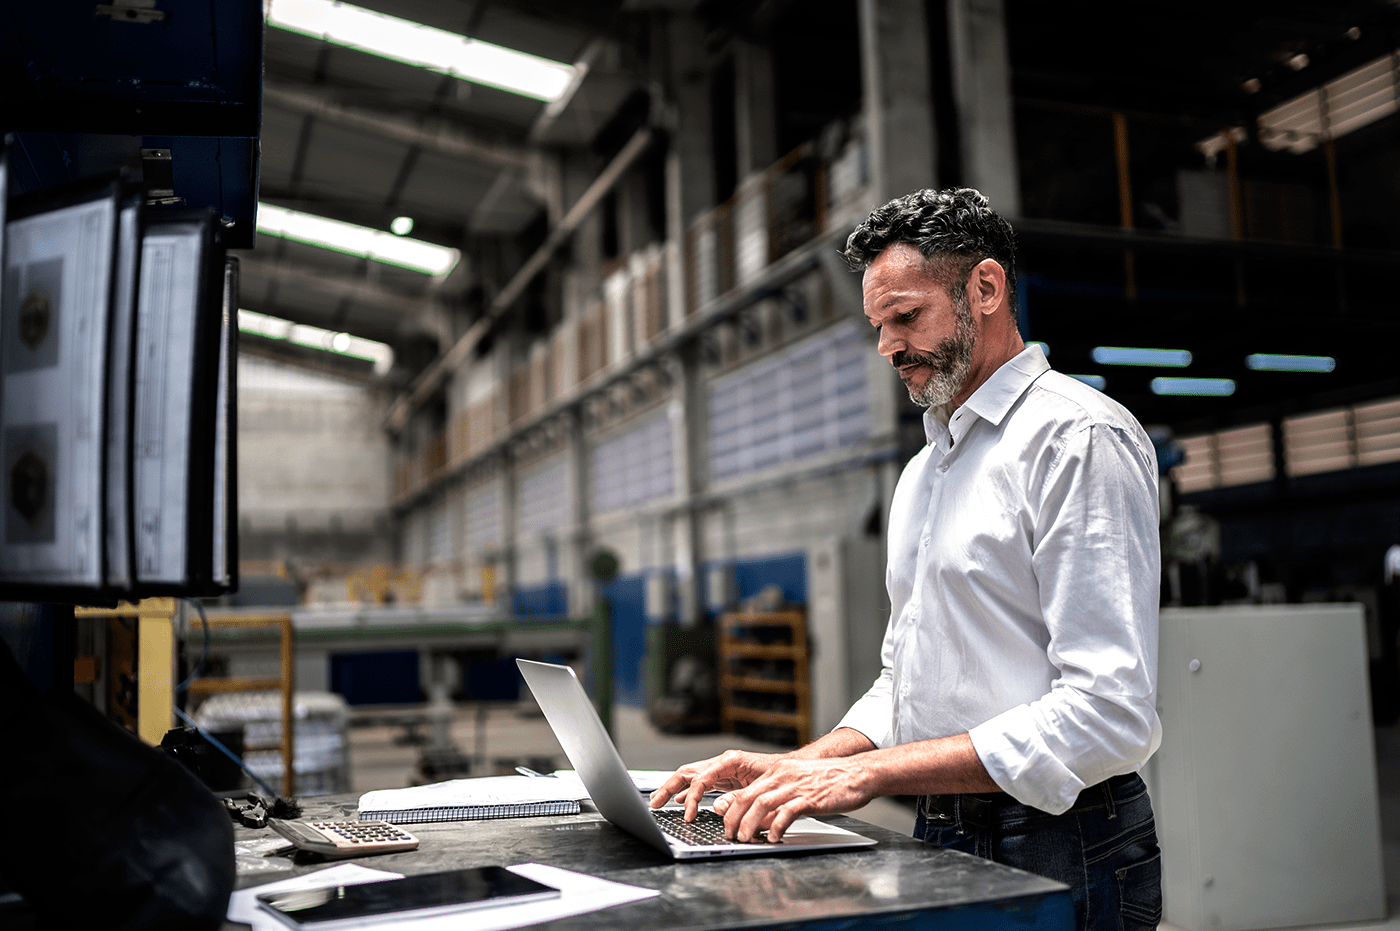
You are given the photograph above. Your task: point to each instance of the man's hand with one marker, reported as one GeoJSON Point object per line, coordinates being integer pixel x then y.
{"type": "Point", "coordinates": [791, 788]}
{"type": "Point", "coordinates": [732, 769]}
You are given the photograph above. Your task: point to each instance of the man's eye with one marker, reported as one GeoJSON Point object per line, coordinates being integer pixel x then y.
{"type": "Point", "coordinates": [907, 317]}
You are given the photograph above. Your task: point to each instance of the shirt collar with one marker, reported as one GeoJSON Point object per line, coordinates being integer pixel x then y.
{"type": "Point", "coordinates": [995, 397]}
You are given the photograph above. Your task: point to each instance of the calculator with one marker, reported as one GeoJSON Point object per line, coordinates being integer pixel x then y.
{"type": "Point", "coordinates": [339, 839]}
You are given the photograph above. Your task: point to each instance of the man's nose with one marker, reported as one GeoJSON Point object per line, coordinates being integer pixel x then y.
{"type": "Point", "coordinates": [888, 343]}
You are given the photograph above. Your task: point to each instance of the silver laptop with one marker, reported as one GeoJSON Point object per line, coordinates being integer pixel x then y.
{"type": "Point", "coordinates": [589, 748]}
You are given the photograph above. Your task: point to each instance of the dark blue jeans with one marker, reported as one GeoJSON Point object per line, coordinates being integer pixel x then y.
{"type": "Point", "coordinates": [1104, 848]}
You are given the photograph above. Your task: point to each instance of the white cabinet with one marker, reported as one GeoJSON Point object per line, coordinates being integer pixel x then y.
{"type": "Point", "coordinates": [1265, 783]}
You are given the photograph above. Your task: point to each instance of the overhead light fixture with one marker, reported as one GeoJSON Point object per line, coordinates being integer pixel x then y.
{"type": "Point", "coordinates": [1252, 86]}
{"type": "Point", "coordinates": [351, 239]}
{"type": "Point", "coordinates": [423, 46]}
{"type": "Point", "coordinates": [401, 226]}
{"type": "Point", "coordinates": [1130, 355]}
{"type": "Point", "coordinates": [1093, 381]}
{"type": "Point", "coordinates": [1299, 62]}
{"type": "Point", "coordinates": [1194, 387]}
{"type": "Point", "coordinates": [316, 338]}
{"type": "Point", "coordinates": [1267, 362]}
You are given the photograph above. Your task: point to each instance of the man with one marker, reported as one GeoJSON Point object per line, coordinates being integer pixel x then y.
{"type": "Point", "coordinates": [1018, 693]}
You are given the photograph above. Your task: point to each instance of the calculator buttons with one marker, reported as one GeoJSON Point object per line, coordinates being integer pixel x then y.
{"type": "Point", "coordinates": [340, 839]}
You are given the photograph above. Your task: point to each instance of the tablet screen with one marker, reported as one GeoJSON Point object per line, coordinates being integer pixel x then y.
{"type": "Point", "coordinates": [428, 893]}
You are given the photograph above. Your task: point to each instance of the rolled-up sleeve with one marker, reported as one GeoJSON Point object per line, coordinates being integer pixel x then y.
{"type": "Point", "coordinates": [1097, 564]}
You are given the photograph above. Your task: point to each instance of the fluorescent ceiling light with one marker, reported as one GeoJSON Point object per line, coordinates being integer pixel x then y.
{"type": "Point", "coordinates": [356, 240]}
{"type": "Point", "coordinates": [401, 226]}
{"type": "Point", "coordinates": [1128, 355]}
{"type": "Point", "coordinates": [1093, 381]}
{"type": "Point", "coordinates": [1342, 105]}
{"type": "Point", "coordinates": [1266, 362]}
{"type": "Point", "coordinates": [316, 338]}
{"type": "Point", "coordinates": [1199, 387]}
{"type": "Point", "coordinates": [423, 46]}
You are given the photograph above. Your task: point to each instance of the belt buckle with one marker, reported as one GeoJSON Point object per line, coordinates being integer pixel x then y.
{"type": "Point", "coordinates": [933, 810]}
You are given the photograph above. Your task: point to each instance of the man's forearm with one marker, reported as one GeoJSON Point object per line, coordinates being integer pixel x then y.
{"type": "Point", "coordinates": [939, 766]}
{"type": "Point", "coordinates": [947, 764]}
{"type": "Point", "coordinates": [844, 741]}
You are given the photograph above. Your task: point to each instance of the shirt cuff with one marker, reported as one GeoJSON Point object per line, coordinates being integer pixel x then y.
{"type": "Point", "coordinates": [873, 717]}
{"type": "Point", "coordinates": [1018, 760]}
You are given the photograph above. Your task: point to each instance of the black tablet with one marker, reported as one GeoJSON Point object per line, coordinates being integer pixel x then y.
{"type": "Point", "coordinates": [413, 896]}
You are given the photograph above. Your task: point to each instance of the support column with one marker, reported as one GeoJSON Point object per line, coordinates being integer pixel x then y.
{"type": "Point", "coordinates": [579, 578]}
{"type": "Point", "coordinates": [898, 101]}
{"type": "Point", "coordinates": [688, 451]}
{"type": "Point", "coordinates": [755, 108]}
{"type": "Point", "coordinates": [982, 92]}
{"type": "Point", "coordinates": [505, 582]}
{"type": "Point", "coordinates": [690, 170]}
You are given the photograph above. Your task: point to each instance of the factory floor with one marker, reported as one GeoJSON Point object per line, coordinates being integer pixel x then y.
{"type": "Point", "coordinates": [499, 736]}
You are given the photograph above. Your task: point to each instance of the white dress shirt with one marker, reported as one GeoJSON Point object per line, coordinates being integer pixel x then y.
{"type": "Point", "coordinates": [1023, 574]}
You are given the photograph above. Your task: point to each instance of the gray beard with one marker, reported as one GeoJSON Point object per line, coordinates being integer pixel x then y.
{"type": "Point", "coordinates": [948, 364]}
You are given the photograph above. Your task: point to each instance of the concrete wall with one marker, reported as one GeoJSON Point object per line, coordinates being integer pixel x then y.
{"type": "Point", "coordinates": [313, 467]}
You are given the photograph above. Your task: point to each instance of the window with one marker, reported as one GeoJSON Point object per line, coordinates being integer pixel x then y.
{"type": "Point", "coordinates": [635, 467]}
{"type": "Point", "coordinates": [801, 402]}
{"type": "Point", "coordinates": [543, 498]}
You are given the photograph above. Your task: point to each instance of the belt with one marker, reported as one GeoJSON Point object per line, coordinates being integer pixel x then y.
{"type": "Point", "coordinates": [981, 811]}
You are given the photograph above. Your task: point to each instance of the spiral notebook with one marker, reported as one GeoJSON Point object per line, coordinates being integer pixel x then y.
{"type": "Point", "coordinates": [478, 799]}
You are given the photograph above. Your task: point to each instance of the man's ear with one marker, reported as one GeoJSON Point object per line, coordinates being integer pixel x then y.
{"type": "Point", "coordinates": [986, 286]}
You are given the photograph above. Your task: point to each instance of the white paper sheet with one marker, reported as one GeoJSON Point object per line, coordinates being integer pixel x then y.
{"type": "Point", "coordinates": [481, 790]}
{"type": "Point", "coordinates": [579, 894]}
{"type": "Point", "coordinates": [243, 907]}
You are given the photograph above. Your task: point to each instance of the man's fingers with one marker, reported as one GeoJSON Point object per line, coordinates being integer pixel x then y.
{"type": "Point", "coordinates": [759, 814]}
{"type": "Point", "coordinates": [677, 782]}
{"type": "Point", "coordinates": [745, 813]}
{"type": "Point", "coordinates": [782, 820]}
{"type": "Point", "coordinates": [694, 795]}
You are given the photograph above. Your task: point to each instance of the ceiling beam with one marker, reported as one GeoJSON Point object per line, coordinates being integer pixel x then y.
{"type": "Point", "coordinates": [431, 133]}
{"type": "Point", "coordinates": [425, 314]}
{"type": "Point", "coordinates": [431, 377]}
{"type": "Point", "coordinates": [335, 285]}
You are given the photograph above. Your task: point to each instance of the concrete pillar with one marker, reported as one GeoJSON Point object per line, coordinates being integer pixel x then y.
{"type": "Point", "coordinates": [982, 91]}
{"type": "Point", "coordinates": [687, 413]}
{"type": "Point", "coordinates": [509, 573]}
{"type": "Point", "coordinates": [690, 170]}
{"type": "Point", "coordinates": [898, 102]}
{"type": "Point", "coordinates": [580, 546]}
{"type": "Point", "coordinates": [755, 108]}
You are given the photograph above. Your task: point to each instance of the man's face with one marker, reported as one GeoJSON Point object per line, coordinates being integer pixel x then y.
{"type": "Point", "coordinates": [924, 333]}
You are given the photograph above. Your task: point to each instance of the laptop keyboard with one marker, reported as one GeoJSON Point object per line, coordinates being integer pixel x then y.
{"type": "Point", "coordinates": [707, 830]}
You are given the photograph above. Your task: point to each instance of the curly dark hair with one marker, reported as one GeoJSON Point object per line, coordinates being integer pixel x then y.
{"type": "Point", "coordinates": [953, 228]}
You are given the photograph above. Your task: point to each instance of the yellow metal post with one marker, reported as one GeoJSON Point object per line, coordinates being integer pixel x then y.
{"type": "Point", "coordinates": [155, 668]}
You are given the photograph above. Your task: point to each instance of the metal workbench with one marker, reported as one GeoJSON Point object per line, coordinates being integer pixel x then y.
{"type": "Point", "coordinates": [900, 883]}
